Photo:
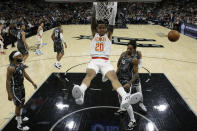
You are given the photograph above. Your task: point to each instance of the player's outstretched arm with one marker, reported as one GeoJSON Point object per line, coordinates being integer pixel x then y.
{"type": "Point", "coordinates": [29, 79]}
{"type": "Point", "coordinates": [93, 22]}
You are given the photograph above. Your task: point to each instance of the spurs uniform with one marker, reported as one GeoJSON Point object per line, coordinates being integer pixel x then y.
{"type": "Point", "coordinates": [125, 72]}
{"type": "Point", "coordinates": [1, 43]}
{"type": "Point", "coordinates": [20, 44]}
{"type": "Point", "coordinates": [100, 52]}
{"type": "Point", "coordinates": [17, 86]}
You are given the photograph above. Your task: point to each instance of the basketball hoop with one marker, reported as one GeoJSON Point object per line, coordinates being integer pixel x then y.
{"type": "Point", "coordinates": [106, 11]}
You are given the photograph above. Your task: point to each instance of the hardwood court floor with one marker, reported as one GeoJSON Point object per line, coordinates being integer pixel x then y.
{"type": "Point", "coordinates": [52, 107]}
{"type": "Point", "coordinates": [178, 61]}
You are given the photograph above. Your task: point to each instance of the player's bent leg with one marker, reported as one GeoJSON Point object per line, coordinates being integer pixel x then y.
{"type": "Point", "coordinates": [111, 75]}
{"type": "Point", "coordinates": [25, 56]}
{"type": "Point", "coordinates": [78, 92]}
{"type": "Point", "coordinates": [19, 119]}
{"type": "Point", "coordinates": [141, 104]}
{"type": "Point", "coordinates": [90, 74]}
{"type": "Point", "coordinates": [127, 99]}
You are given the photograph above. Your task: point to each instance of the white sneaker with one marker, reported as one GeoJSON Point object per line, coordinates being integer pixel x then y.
{"type": "Point", "coordinates": [135, 98]}
{"type": "Point", "coordinates": [78, 94]}
{"type": "Point", "coordinates": [131, 125]}
{"type": "Point", "coordinates": [141, 105]}
{"type": "Point", "coordinates": [23, 128]}
{"type": "Point", "coordinates": [130, 99]}
{"type": "Point", "coordinates": [25, 119]}
{"type": "Point", "coordinates": [57, 66]}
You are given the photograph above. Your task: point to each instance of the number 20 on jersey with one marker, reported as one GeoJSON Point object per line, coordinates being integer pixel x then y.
{"type": "Point", "coordinates": [99, 47]}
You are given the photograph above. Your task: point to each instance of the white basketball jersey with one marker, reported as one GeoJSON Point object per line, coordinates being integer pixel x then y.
{"type": "Point", "coordinates": [41, 32]}
{"type": "Point", "coordinates": [101, 46]}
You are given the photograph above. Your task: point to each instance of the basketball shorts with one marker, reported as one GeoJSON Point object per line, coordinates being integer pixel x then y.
{"type": "Point", "coordinates": [18, 93]}
{"type": "Point", "coordinates": [23, 50]}
{"type": "Point", "coordinates": [58, 47]}
{"type": "Point", "coordinates": [101, 66]}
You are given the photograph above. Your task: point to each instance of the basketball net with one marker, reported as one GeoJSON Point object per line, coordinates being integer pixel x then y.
{"type": "Point", "coordinates": [106, 11]}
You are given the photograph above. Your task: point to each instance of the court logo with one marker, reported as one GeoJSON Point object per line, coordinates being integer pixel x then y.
{"type": "Point", "coordinates": [121, 41]}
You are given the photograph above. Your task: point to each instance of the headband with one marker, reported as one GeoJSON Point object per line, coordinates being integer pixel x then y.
{"type": "Point", "coordinates": [16, 54]}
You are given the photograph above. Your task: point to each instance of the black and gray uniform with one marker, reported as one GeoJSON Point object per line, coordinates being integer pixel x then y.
{"type": "Point", "coordinates": [20, 44]}
{"type": "Point", "coordinates": [126, 70]}
{"type": "Point", "coordinates": [58, 45]}
{"type": "Point", "coordinates": [16, 84]}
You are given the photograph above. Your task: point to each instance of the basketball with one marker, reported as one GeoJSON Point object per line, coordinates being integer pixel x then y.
{"type": "Point", "coordinates": [173, 36]}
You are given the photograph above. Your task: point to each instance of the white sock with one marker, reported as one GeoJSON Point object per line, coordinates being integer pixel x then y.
{"type": "Point", "coordinates": [57, 62]}
{"type": "Point", "coordinates": [121, 91]}
{"type": "Point", "coordinates": [139, 89]}
{"type": "Point", "coordinates": [19, 120]}
{"type": "Point", "coordinates": [130, 112]}
{"type": "Point", "coordinates": [83, 87]}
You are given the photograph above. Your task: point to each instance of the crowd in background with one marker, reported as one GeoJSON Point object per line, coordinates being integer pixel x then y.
{"type": "Point", "coordinates": [168, 13]}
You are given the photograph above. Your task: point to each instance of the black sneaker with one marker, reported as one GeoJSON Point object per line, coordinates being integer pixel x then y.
{"type": "Point", "coordinates": [57, 66]}
{"type": "Point", "coordinates": [25, 66]}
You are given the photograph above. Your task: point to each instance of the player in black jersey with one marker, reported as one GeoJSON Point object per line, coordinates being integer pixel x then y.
{"type": "Point", "coordinates": [15, 86]}
{"type": "Point", "coordinates": [21, 42]}
{"type": "Point", "coordinates": [58, 39]}
{"type": "Point", "coordinates": [127, 73]}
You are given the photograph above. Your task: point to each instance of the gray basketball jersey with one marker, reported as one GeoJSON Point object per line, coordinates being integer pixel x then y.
{"type": "Point", "coordinates": [126, 71]}
{"type": "Point", "coordinates": [20, 42]}
{"type": "Point", "coordinates": [18, 75]}
{"type": "Point", "coordinates": [57, 38]}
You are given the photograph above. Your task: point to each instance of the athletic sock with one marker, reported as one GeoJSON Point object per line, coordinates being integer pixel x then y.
{"type": "Point", "coordinates": [121, 91]}
{"type": "Point", "coordinates": [19, 121]}
{"type": "Point", "coordinates": [130, 112]}
{"type": "Point", "coordinates": [83, 87]}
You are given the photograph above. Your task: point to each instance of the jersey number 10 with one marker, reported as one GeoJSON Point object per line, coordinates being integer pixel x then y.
{"type": "Point", "coordinates": [99, 47]}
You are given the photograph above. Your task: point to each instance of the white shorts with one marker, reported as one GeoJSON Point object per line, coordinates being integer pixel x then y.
{"type": "Point", "coordinates": [102, 66]}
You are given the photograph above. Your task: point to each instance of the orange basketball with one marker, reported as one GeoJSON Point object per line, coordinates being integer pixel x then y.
{"type": "Point", "coordinates": [173, 35]}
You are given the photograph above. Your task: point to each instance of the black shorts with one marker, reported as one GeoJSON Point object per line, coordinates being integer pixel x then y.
{"type": "Point", "coordinates": [18, 94]}
{"type": "Point", "coordinates": [23, 50]}
{"type": "Point", "coordinates": [58, 47]}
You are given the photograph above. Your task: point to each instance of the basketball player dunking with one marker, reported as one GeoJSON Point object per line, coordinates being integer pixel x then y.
{"type": "Point", "coordinates": [39, 39]}
{"type": "Point", "coordinates": [100, 52]}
